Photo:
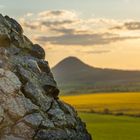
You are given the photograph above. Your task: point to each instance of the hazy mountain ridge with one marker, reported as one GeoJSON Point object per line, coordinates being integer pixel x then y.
{"type": "Point", "coordinates": [73, 75]}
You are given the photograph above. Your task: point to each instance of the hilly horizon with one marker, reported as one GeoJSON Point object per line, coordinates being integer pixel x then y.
{"type": "Point", "coordinates": [74, 76]}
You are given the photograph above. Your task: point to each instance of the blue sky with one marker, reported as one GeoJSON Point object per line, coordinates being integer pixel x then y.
{"type": "Point", "coordinates": [102, 33]}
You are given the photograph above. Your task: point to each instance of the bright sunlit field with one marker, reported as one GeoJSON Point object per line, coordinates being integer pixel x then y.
{"type": "Point", "coordinates": [110, 103]}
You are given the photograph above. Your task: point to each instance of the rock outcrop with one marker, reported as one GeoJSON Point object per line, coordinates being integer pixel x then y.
{"type": "Point", "coordinates": [30, 108]}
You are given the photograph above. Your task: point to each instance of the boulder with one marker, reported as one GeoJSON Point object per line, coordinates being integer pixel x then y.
{"type": "Point", "coordinates": [30, 108]}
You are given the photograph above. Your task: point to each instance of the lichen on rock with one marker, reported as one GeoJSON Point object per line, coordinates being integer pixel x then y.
{"type": "Point", "coordinates": [30, 108]}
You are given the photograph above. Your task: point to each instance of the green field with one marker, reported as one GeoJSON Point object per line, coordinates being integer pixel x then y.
{"type": "Point", "coordinates": [108, 127]}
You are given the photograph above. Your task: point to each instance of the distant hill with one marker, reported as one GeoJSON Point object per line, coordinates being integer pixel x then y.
{"type": "Point", "coordinates": [74, 76]}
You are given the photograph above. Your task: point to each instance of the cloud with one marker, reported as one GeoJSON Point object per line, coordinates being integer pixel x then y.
{"type": "Point", "coordinates": [27, 25]}
{"type": "Point", "coordinates": [56, 23]}
{"type": "Point", "coordinates": [82, 39]}
{"type": "Point", "coordinates": [63, 14]}
{"type": "Point", "coordinates": [63, 27]}
{"type": "Point", "coordinates": [48, 20]}
{"type": "Point", "coordinates": [98, 52]}
{"type": "Point", "coordinates": [29, 14]}
{"type": "Point", "coordinates": [133, 25]}
{"type": "Point", "coordinates": [63, 19]}
{"type": "Point", "coordinates": [47, 24]}
{"type": "Point", "coordinates": [63, 30]}
{"type": "Point", "coordinates": [51, 13]}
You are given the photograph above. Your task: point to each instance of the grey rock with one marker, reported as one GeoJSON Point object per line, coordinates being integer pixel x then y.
{"type": "Point", "coordinates": [4, 40]}
{"type": "Point", "coordinates": [44, 66]}
{"type": "Point", "coordinates": [52, 134]}
{"type": "Point", "coordinates": [11, 137]}
{"type": "Point", "coordinates": [34, 119]}
{"type": "Point", "coordinates": [30, 108]}
{"type": "Point", "coordinates": [14, 24]}
{"type": "Point", "coordinates": [37, 51]}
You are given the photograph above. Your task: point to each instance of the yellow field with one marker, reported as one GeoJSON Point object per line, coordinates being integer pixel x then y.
{"type": "Point", "coordinates": [114, 103]}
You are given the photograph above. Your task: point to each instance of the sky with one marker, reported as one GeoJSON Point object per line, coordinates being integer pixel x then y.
{"type": "Point", "coordinates": [102, 33]}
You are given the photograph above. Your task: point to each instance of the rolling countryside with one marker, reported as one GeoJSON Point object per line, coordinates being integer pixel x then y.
{"type": "Point", "coordinates": [107, 100]}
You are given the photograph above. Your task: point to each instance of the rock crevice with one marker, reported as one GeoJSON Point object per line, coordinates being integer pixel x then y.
{"type": "Point", "coordinates": [29, 105]}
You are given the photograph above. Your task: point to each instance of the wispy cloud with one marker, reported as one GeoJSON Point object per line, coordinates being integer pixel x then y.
{"type": "Point", "coordinates": [97, 52]}
{"type": "Point", "coordinates": [83, 39]}
{"type": "Point", "coordinates": [132, 25]}
{"type": "Point", "coordinates": [61, 14]}
{"type": "Point", "coordinates": [63, 27]}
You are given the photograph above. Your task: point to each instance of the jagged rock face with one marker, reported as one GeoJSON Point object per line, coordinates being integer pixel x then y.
{"type": "Point", "coordinates": [29, 105]}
